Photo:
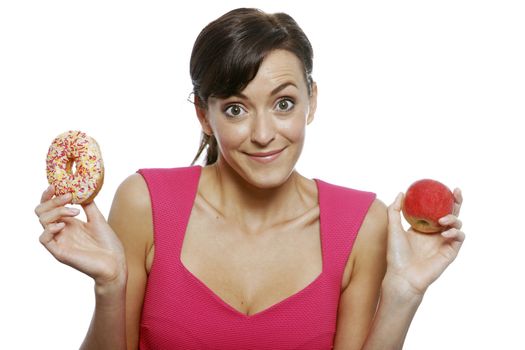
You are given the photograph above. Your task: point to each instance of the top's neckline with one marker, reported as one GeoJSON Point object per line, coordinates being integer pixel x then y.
{"type": "Point", "coordinates": [280, 303]}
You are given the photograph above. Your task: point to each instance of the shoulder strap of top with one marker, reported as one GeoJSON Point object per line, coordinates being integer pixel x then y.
{"type": "Point", "coordinates": [172, 193]}
{"type": "Point", "coordinates": [342, 211]}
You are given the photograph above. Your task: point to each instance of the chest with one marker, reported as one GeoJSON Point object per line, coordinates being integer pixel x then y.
{"type": "Point", "coordinates": [252, 272]}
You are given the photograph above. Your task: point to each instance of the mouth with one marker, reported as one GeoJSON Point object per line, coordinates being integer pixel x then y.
{"type": "Point", "coordinates": [265, 157]}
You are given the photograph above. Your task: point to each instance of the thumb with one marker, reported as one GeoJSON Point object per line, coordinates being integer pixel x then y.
{"type": "Point", "coordinates": [394, 213]}
{"type": "Point", "coordinates": [93, 214]}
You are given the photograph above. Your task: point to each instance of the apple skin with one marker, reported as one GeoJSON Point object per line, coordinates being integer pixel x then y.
{"type": "Point", "coordinates": [426, 201]}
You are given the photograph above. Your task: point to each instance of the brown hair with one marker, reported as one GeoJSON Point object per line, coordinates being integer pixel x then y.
{"type": "Point", "coordinates": [228, 52]}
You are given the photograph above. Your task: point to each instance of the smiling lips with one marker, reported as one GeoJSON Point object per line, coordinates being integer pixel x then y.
{"type": "Point", "coordinates": [265, 157]}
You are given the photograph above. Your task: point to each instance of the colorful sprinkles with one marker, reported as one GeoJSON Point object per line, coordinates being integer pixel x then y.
{"type": "Point", "coordinates": [75, 147]}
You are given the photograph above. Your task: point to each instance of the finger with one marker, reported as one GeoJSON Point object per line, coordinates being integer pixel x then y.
{"type": "Point", "coordinates": [454, 234]}
{"type": "Point", "coordinates": [49, 233]}
{"type": "Point", "coordinates": [48, 240]}
{"type": "Point", "coordinates": [47, 194]}
{"type": "Point", "coordinates": [452, 221]}
{"type": "Point", "coordinates": [54, 215]}
{"type": "Point", "coordinates": [53, 203]}
{"type": "Point", "coordinates": [394, 213]}
{"type": "Point", "coordinates": [458, 200]}
{"type": "Point", "coordinates": [93, 214]}
{"type": "Point", "coordinates": [458, 195]}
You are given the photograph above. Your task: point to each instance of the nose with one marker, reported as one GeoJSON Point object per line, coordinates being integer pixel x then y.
{"type": "Point", "coordinates": [263, 129]}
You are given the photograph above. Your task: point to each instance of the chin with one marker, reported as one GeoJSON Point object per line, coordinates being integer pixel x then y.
{"type": "Point", "coordinates": [269, 183]}
{"type": "Point", "coordinates": [266, 178]}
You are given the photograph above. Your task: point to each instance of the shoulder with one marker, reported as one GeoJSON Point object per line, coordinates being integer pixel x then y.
{"type": "Point", "coordinates": [130, 214]}
{"type": "Point", "coordinates": [133, 194]}
{"type": "Point", "coordinates": [369, 251]}
{"type": "Point", "coordinates": [376, 220]}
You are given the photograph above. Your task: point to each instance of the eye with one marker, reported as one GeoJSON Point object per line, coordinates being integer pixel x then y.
{"type": "Point", "coordinates": [285, 104]}
{"type": "Point", "coordinates": [234, 110]}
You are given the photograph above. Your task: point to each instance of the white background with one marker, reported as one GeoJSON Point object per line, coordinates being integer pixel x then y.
{"type": "Point", "coordinates": [407, 90]}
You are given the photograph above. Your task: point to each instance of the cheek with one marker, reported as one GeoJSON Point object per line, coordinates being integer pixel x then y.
{"type": "Point", "coordinates": [294, 128]}
{"type": "Point", "coordinates": [230, 136]}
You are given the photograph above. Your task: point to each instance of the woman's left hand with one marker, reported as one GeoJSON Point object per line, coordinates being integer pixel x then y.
{"type": "Point", "coordinates": [414, 259]}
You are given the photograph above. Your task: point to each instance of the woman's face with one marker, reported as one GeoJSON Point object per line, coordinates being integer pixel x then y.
{"type": "Point", "coordinates": [270, 115]}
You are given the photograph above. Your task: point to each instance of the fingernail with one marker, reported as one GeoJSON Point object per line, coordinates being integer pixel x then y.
{"type": "Point", "coordinates": [443, 220]}
{"type": "Point", "coordinates": [74, 210]}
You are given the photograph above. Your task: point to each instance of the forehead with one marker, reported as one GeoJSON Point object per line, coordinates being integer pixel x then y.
{"type": "Point", "coordinates": [280, 63]}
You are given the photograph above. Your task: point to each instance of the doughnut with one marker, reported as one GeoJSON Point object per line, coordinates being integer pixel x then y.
{"type": "Point", "coordinates": [78, 149]}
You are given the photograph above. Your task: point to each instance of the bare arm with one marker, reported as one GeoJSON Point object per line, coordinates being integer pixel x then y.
{"type": "Point", "coordinates": [359, 299]}
{"type": "Point", "coordinates": [131, 219]}
{"type": "Point", "coordinates": [116, 319]}
{"type": "Point", "coordinates": [393, 318]}
{"type": "Point", "coordinates": [108, 254]}
{"type": "Point", "coordinates": [107, 328]}
{"type": "Point", "coordinates": [413, 262]}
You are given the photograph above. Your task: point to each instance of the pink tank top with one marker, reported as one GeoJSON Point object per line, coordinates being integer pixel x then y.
{"type": "Point", "coordinates": [181, 312]}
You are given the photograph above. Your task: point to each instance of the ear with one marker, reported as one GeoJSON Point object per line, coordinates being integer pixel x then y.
{"type": "Point", "coordinates": [313, 103]}
{"type": "Point", "coordinates": [202, 115]}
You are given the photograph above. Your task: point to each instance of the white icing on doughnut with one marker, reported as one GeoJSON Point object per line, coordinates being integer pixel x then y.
{"type": "Point", "coordinates": [78, 148]}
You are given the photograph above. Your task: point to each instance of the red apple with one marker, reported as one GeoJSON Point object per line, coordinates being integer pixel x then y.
{"type": "Point", "coordinates": [426, 201]}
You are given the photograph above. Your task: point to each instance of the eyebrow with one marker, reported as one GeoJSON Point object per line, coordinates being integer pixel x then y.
{"type": "Point", "coordinates": [274, 91]}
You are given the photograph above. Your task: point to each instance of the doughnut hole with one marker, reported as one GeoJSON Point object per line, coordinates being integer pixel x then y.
{"type": "Point", "coordinates": [71, 166]}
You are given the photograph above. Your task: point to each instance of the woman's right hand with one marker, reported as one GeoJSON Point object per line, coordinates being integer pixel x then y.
{"type": "Point", "coordinates": [91, 247]}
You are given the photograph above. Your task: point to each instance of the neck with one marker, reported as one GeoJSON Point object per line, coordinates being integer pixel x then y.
{"type": "Point", "coordinates": [256, 209]}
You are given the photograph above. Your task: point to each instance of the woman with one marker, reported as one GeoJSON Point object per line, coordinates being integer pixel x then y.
{"type": "Point", "coordinates": [246, 253]}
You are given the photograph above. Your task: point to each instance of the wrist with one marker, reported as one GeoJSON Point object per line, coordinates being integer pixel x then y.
{"type": "Point", "coordinates": [397, 289]}
{"type": "Point", "coordinates": [110, 296]}
{"type": "Point", "coordinates": [111, 286]}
